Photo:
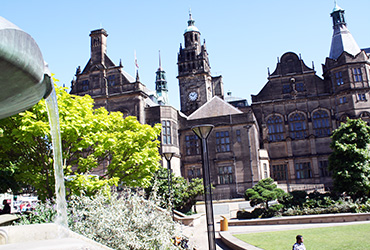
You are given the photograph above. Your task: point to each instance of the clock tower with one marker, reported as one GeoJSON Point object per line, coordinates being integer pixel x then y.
{"type": "Point", "coordinates": [195, 80]}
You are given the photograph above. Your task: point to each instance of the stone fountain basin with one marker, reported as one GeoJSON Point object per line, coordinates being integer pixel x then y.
{"type": "Point", "coordinates": [45, 236]}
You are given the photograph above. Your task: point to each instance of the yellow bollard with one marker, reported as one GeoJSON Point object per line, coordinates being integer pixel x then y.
{"type": "Point", "coordinates": [224, 225]}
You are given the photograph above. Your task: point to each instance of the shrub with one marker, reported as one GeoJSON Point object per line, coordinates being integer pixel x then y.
{"type": "Point", "coordinates": [244, 215]}
{"type": "Point", "coordinates": [273, 211]}
{"type": "Point", "coordinates": [263, 192]}
{"type": "Point", "coordinates": [293, 199]}
{"type": "Point", "coordinates": [125, 221]}
{"type": "Point", "coordinates": [341, 206]}
{"type": "Point", "coordinates": [42, 213]}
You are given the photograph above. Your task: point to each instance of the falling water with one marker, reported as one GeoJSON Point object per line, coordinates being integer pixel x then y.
{"type": "Point", "coordinates": [52, 107]}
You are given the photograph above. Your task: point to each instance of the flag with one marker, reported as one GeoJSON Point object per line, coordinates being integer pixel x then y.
{"type": "Point", "coordinates": [137, 65]}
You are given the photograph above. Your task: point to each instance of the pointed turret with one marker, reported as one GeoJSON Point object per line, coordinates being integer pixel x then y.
{"type": "Point", "coordinates": [342, 39]}
{"type": "Point", "coordinates": [161, 84]}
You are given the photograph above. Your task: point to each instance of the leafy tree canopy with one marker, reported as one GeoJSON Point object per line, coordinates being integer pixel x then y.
{"type": "Point", "coordinates": [91, 139]}
{"type": "Point", "coordinates": [349, 162]}
{"type": "Point", "coordinates": [184, 193]}
{"type": "Point", "coordinates": [263, 192]}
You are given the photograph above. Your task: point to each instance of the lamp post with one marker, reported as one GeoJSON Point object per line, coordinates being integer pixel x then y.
{"type": "Point", "coordinates": [203, 131]}
{"type": "Point", "coordinates": [168, 156]}
{"type": "Point", "coordinates": [287, 175]}
{"type": "Point", "coordinates": [250, 153]}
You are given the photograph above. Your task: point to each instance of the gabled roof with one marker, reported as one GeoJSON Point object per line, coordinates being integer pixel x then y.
{"type": "Point", "coordinates": [108, 64]}
{"type": "Point", "coordinates": [214, 107]}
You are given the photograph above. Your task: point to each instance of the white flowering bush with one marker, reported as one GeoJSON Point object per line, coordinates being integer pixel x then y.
{"type": "Point", "coordinates": [42, 213]}
{"type": "Point", "coordinates": [121, 221]}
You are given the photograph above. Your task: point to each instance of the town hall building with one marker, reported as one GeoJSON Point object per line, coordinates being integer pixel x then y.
{"type": "Point", "coordinates": [284, 133]}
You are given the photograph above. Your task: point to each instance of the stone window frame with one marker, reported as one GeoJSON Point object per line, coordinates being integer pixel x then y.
{"type": "Point", "coordinates": [357, 74]}
{"type": "Point", "coordinates": [225, 175]}
{"type": "Point", "coordinates": [287, 88]}
{"type": "Point", "coordinates": [111, 80]}
{"type": "Point", "coordinates": [194, 172]}
{"type": "Point", "coordinates": [321, 123]}
{"type": "Point", "coordinates": [85, 85]}
{"type": "Point", "coordinates": [279, 172]}
{"type": "Point", "coordinates": [300, 87]}
{"type": "Point", "coordinates": [303, 170]}
{"type": "Point", "coordinates": [361, 97]}
{"type": "Point", "coordinates": [298, 128]}
{"type": "Point", "coordinates": [343, 118]}
{"type": "Point", "coordinates": [223, 141]}
{"type": "Point", "coordinates": [343, 100]}
{"type": "Point", "coordinates": [265, 170]}
{"type": "Point", "coordinates": [339, 78]}
{"type": "Point", "coordinates": [324, 168]}
{"type": "Point", "coordinates": [238, 135]}
{"type": "Point", "coordinates": [275, 129]}
{"type": "Point", "coordinates": [192, 145]}
{"type": "Point", "coordinates": [365, 114]}
{"type": "Point", "coordinates": [166, 132]}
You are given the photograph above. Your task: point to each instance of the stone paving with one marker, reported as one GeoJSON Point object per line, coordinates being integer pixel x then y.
{"type": "Point", "coordinates": [199, 237]}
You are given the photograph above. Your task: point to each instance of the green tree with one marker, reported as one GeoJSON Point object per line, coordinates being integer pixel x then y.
{"type": "Point", "coordinates": [184, 193]}
{"type": "Point", "coordinates": [263, 192]}
{"type": "Point", "coordinates": [349, 162]}
{"type": "Point", "coordinates": [90, 137]}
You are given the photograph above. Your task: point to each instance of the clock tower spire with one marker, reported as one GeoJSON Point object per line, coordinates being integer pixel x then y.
{"type": "Point", "coordinates": [195, 81]}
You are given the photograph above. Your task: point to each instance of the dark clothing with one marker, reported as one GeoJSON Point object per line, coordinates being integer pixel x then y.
{"type": "Point", "coordinates": [6, 209]}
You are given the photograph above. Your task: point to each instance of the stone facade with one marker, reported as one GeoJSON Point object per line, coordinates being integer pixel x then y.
{"type": "Point", "coordinates": [298, 110]}
{"type": "Point", "coordinates": [284, 133]}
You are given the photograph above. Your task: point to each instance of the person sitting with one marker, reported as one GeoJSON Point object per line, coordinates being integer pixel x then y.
{"type": "Point", "coordinates": [6, 208]}
{"type": "Point", "coordinates": [299, 244]}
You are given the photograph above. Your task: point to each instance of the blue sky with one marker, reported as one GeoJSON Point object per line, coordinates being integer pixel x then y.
{"type": "Point", "coordinates": [243, 38]}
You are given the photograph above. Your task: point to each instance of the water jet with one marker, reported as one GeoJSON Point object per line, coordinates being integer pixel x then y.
{"type": "Point", "coordinates": [24, 81]}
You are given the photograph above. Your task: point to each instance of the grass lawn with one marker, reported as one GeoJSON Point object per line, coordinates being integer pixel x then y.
{"type": "Point", "coordinates": [330, 238]}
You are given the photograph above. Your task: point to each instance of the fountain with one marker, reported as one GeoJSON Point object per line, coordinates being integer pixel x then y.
{"type": "Point", "coordinates": [24, 81]}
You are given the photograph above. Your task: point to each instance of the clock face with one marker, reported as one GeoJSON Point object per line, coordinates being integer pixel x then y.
{"type": "Point", "coordinates": [193, 96]}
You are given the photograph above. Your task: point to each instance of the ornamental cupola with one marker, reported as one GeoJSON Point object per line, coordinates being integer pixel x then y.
{"type": "Point", "coordinates": [161, 85]}
{"type": "Point", "coordinates": [342, 39]}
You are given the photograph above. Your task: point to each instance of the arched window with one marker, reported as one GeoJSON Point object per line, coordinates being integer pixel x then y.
{"type": "Point", "coordinates": [321, 125]}
{"type": "Point", "coordinates": [298, 126]}
{"type": "Point", "coordinates": [276, 128]}
{"type": "Point", "coordinates": [365, 116]}
{"type": "Point", "coordinates": [343, 118]}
